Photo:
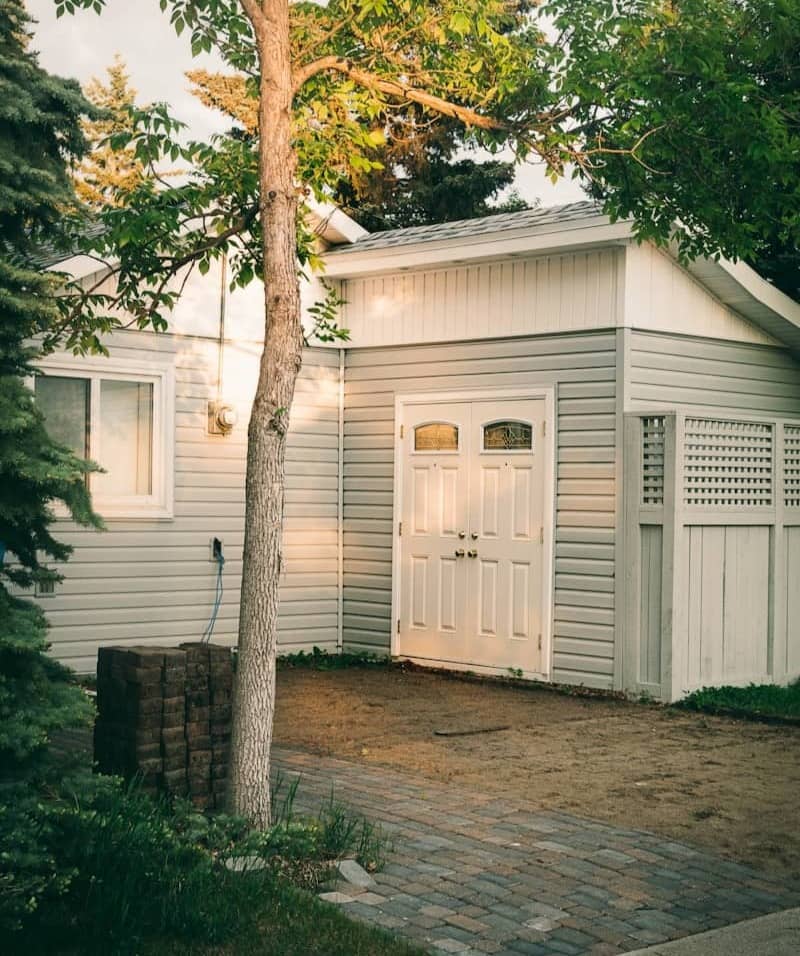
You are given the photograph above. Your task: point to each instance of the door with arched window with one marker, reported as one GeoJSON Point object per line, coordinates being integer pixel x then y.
{"type": "Point", "coordinates": [472, 534]}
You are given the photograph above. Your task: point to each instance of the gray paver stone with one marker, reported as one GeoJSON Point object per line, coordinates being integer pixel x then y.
{"type": "Point", "coordinates": [336, 897]}
{"type": "Point", "coordinates": [542, 923]}
{"type": "Point", "coordinates": [354, 873]}
{"type": "Point", "coordinates": [450, 946]}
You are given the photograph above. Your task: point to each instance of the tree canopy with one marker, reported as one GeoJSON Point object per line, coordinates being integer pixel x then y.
{"type": "Point", "coordinates": [714, 88]}
{"type": "Point", "coordinates": [682, 115]}
{"type": "Point", "coordinates": [415, 178]}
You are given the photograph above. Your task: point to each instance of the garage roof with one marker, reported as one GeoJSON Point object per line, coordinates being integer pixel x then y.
{"type": "Point", "coordinates": [550, 230]}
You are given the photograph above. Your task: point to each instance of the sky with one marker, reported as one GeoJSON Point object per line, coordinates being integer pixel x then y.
{"type": "Point", "coordinates": [83, 45]}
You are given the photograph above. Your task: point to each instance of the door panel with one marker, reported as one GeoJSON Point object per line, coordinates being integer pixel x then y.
{"type": "Point", "coordinates": [507, 464]}
{"type": "Point", "coordinates": [434, 514]}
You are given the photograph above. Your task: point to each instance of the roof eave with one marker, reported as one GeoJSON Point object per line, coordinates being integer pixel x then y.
{"type": "Point", "coordinates": [488, 246]}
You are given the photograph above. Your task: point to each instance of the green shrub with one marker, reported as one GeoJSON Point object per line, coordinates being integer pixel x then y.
{"type": "Point", "coordinates": [755, 700]}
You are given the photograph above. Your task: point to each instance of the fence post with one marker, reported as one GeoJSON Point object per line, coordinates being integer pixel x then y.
{"type": "Point", "coordinates": [777, 662]}
{"type": "Point", "coordinates": [673, 601]}
{"type": "Point", "coordinates": [629, 632]}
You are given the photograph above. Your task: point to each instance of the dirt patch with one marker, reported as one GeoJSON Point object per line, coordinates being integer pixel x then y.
{"type": "Point", "coordinates": [725, 784]}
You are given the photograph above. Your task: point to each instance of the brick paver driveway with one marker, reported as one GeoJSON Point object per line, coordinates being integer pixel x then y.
{"type": "Point", "coordinates": [470, 873]}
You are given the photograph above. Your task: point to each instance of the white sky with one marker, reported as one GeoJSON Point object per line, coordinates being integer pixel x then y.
{"type": "Point", "coordinates": [83, 45]}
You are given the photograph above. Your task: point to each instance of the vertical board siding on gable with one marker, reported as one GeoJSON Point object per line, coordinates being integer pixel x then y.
{"type": "Point", "coordinates": [152, 581]}
{"type": "Point", "coordinates": [661, 295]}
{"type": "Point", "coordinates": [526, 296]}
{"type": "Point", "coordinates": [667, 371]}
{"type": "Point", "coordinates": [582, 366]}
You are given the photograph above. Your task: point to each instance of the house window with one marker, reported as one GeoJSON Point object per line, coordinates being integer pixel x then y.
{"type": "Point", "coordinates": [121, 418]}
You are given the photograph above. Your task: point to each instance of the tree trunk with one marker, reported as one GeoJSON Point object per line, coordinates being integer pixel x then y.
{"type": "Point", "coordinates": [254, 700]}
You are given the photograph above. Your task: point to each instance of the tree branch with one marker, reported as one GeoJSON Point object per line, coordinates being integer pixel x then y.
{"type": "Point", "coordinates": [397, 89]}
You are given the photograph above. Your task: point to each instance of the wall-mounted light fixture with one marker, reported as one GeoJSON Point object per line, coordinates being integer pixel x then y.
{"type": "Point", "coordinates": [221, 418]}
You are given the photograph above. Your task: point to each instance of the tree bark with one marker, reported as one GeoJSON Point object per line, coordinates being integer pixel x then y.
{"type": "Point", "coordinates": [254, 699]}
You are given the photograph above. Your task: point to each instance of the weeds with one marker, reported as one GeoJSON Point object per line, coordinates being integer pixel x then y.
{"type": "Point", "coordinates": [324, 661]}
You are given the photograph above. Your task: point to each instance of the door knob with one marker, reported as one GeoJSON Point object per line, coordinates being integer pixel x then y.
{"type": "Point", "coordinates": [462, 534]}
{"type": "Point", "coordinates": [474, 536]}
{"type": "Point", "coordinates": [472, 554]}
{"type": "Point", "coordinates": [459, 552]}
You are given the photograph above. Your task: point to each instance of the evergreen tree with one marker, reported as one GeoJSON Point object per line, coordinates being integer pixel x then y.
{"type": "Point", "coordinates": [107, 172]}
{"type": "Point", "coordinates": [421, 181]}
{"type": "Point", "coordinates": [40, 135]}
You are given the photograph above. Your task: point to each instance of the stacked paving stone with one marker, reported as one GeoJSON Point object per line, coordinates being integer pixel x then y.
{"type": "Point", "coordinates": [198, 720]}
{"type": "Point", "coordinates": [221, 696]}
{"type": "Point", "coordinates": [173, 725]}
{"type": "Point", "coordinates": [164, 716]}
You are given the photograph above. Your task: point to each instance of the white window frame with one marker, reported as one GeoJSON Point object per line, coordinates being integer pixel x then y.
{"type": "Point", "coordinates": [161, 375]}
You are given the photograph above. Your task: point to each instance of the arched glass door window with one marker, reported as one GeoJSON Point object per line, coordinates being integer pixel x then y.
{"type": "Point", "coordinates": [436, 436]}
{"type": "Point", "coordinates": [508, 435]}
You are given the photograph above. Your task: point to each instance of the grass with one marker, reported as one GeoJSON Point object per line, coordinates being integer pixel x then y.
{"type": "Point", "coordinates": [289, 922]}
{"type": "Point", "coordinates": [757, 701]}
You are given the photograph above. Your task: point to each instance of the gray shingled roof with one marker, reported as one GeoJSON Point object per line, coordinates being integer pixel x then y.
{"type": "Point", "coordinates": [48, 255]}
{"type": "Point", "coordinates": [463, 228]}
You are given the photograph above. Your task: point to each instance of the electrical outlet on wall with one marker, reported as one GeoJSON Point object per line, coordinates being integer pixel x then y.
{"type": "Point", "coordinates": [215, 549]}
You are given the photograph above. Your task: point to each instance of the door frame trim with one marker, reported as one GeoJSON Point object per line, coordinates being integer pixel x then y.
{"type": "Point", "coordinates": [523, 393]}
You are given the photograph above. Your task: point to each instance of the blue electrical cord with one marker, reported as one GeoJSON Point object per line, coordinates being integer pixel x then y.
{"type": "Point", "coordinates": [217, 601]}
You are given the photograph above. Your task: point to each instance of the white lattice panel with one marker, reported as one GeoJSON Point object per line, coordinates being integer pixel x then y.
{"type": "Point", "coordinates": [653, 460]}
{"type": "Point", "coordinates": [791, 466]}
{"type": "Point", "coordinates": [728, 463]}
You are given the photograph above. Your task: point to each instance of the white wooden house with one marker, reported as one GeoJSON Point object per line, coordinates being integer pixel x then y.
{"type": "Point", "coordinates": [545, 448]}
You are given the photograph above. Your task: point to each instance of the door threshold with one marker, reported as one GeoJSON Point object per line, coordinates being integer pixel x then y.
{"type": "Point", "coordinates": [465, 667]}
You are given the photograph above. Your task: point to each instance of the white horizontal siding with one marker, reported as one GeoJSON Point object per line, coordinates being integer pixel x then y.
{"type": "Point", "coordinates": [668, 371]}
{"type": "Point", "coordinates": [152, 581]}
{"type": "Point", "coordinates": [524, 296]}
{"type": "Point", "coordinates": [582, 366]}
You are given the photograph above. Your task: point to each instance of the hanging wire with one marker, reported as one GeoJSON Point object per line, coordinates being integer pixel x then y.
{"type": "Point", "coordinates": [217, 601]}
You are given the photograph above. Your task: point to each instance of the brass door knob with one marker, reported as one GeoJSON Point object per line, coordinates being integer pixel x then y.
{"type": "Point", "coordinates": [472, 554]}
{"type": "Point", "coordinates": [459, 552]}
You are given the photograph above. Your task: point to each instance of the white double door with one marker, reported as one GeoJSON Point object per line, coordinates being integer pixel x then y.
{"type": "Point", "coordinates": [472, 533]}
